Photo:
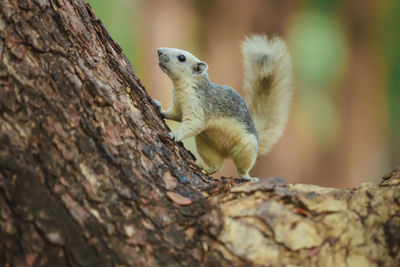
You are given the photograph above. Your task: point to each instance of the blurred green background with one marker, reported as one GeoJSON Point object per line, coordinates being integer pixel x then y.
{"type": "Point", "coordinates": [344, 126]}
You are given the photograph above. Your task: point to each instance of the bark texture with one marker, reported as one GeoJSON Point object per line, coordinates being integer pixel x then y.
{"type": "Point", "coordinates": [88, 178]}
{"type": "Point", "coordinates": [272, 223]}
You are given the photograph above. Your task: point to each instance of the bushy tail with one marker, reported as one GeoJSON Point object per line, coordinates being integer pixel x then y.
{"type": "Point", "coordinates": [268, 87]}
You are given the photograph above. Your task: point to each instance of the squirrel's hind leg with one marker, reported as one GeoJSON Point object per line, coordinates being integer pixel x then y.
{"type": "Point", "coordinates": [209, 154]}
{"type": "Point", "coordinates": [244, 156]}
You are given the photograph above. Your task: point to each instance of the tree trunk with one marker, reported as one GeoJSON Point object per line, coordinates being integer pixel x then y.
{"type": "Point", "coordinates": [88, 178]}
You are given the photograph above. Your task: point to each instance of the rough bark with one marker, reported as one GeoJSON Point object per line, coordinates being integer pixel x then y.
{"type": "Point", "coordinates": [88, 178]}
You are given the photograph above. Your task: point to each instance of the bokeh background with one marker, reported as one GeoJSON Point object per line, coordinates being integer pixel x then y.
{"type": "Point", "coordinates": [344, 125]}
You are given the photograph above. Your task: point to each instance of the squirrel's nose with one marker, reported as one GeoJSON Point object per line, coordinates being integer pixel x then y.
{"type": "Point", "coordinates": [162, 55]}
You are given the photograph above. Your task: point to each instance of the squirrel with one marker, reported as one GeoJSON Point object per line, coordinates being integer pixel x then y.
{"type": "Point", "coordinates": [217, 116]}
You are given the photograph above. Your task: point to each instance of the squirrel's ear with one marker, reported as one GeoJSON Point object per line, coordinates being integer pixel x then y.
{"type": "Point", "coordinates": [200, 68]}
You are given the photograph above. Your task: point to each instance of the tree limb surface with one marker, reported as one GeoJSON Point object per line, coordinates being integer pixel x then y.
{"type": "Point", "coordinates": [89, 178]}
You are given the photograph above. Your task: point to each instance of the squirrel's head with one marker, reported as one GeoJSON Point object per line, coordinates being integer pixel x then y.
{"type": "Point", "coordinates": [179, 64]}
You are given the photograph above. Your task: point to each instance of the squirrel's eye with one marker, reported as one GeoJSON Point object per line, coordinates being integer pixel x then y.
{"type": "Point", "coordinates": [181, 58]}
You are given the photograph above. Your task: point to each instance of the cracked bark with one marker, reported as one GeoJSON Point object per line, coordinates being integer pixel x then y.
{"type": "Point", "coordinates": [87, 177]}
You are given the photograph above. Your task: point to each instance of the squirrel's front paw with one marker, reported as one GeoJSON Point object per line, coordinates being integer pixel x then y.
{"type": "Point", "coordinates": [175, 136]}
{"type": "Point", "coordinates": [171, 136]}
{"type": "Point", "coordinates": [157, 104]}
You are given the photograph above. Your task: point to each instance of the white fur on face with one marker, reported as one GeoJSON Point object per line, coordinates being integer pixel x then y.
{"type": "Point", "coordinates": [169, 63]}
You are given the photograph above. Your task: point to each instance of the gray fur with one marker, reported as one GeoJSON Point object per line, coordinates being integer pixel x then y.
{"type": "Point", "coordinates": [223, 101]}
